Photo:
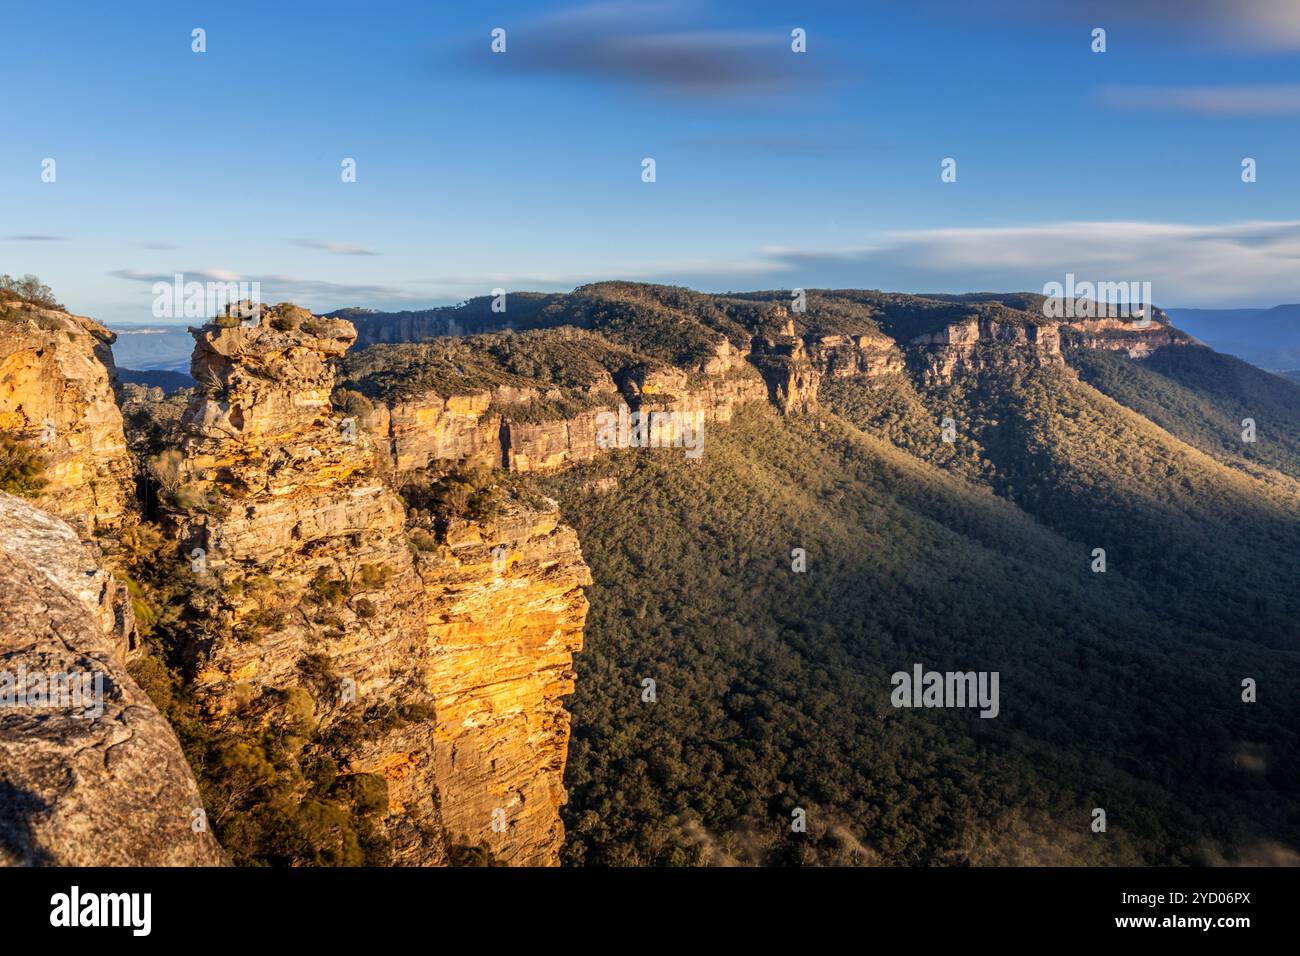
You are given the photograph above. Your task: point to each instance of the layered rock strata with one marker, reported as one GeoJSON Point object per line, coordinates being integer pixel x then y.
{"type": "Point", "coordinates": [505, 610]}
{"type": "Point", "coordinates": [56, 396]}
{"type": "Point", "coordinates": [299, 550]}
{"type": "Point", "coordinates": [304, 554]}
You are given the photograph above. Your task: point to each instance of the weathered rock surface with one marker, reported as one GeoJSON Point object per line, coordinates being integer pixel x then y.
{"type": "Point", "coordinates": [959, 348]}
{"type": "Point", "coordinates": [300, 544]}
{"type": "Point", "coordinates": [1123, 335]}
{"type": "Point", "coordinates": [505, 610]}
{"type": "Point", "coordinates": [304, 553]}
{"type": "Point", "coordinates": [494, 426]}
{"type": "Point", "coordinates": [80, 787]}
{"type": "Point", "coordinates": [56, 394]}
{"type": "Point", "coordinates": [843, 356]}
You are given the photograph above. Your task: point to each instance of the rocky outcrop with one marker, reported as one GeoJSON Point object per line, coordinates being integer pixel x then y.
{"type": "Point", "coordinates": [792, 379]}
{"type": "Point", "coordinates": [56, 395]}
{"type": "Point", "coordinates": [505, 613]}
{"type": "Point", "coordinates": [1124, 335]}
{"type": "Point", "coordinates": [300, 554]}
{"type": "Point", "coordinates": [843, 356]}
{"type": "Point", "coordinates": [432, 428]}
{"type": "Point", "coordinates": [500, 426]}
{"type": "Point", "coordinates": [91, 773]}
{"type": "Point", "coordinates": [961, 348]}
{"type": "Point", "coordinates": [306, 579]}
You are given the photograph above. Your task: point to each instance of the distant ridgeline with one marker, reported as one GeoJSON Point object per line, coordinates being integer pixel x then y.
{"type": "Point", "coordinates": [1269, 338]}
{"type": "Point", "coordinates": [448, 385]}
{"type": "Point", "coordinates": [468, 318]}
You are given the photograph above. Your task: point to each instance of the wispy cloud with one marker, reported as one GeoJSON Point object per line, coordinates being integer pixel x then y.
{"type": "Point", "coordinates": [277, 287]}
{"type": "Point", "coordinates": [1241, 26]}
{"type": "Point", "coordinates": [1239, 263]}
{"type": "Point", "coordinates": [661, 48]}
{"type": "Point", "coordinates": [703, 273]}
{"type": "Point", "coordinates": [1236, 264]}
{"type": "Point", "coordinates": [337, 248]}
{"type": "Point", "coordinates": [36, 238]}
{"type": "Point", "coordinates": [1206, 100]}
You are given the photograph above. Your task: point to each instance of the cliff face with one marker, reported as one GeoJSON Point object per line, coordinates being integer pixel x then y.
{"type": "Point", "coordinates": [666, 336]}
{"type": "Point", "coordinates": [56, 395]}
{"type": "Point", "coordinates": [301, 550]}
{"type": "Point", "coordinates": [505, 613]}
{"type": "Point", "coordinates": [96, 777]}
{"type": "Point", "coordinates": [843, 356]}
{"type": "Point", "coordinates": [1120, 335]}
{"type": "Point", "coordinates": [498, 426]}
{"type": "Point", "coordinates": [305, 559]}
{"type": "Point", "coordinates": [961, 348]}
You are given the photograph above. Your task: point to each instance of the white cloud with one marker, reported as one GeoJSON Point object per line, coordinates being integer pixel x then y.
{"type": "Point", "coordinates": [337, 248]}
{"type": "Point", "coordinates": [315, 293]}
{"type": "Point", "coordinates": [1253, 263]}
{"type": "Point", "coordinates": [1207, 100]}
{"type": "Point", "coordinates": [1244, 263]}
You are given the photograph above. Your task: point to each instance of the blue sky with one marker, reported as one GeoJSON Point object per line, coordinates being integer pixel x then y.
{"type": "Point", "coordinates": [774, 169]}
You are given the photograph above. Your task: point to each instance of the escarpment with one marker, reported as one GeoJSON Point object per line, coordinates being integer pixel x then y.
{"type": "Point", "coordinates": [56, 401]}
{"type": "Point", "coordinates": [1137, 339]}
{"type": "Point", "coordinates": [444, 398]}
{"type": "Point", "coordinates": [1002, 337]}
{"type": "Point", "coordinates": [91, 774]}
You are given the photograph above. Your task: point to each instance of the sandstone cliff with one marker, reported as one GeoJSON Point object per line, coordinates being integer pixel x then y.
{"type": "Point", "coordinates": [81, 786]}
{"type": "Point", "coordinates": [505, 612]}
{"type": "Point", "coordinates": [963, 347]}
{"type": "Point", "coordinates": [302, 565]}
{"type": "Point", "coordinates": [784, 359]}
{"type": "Point", "coordinates": [56, 396]}
{"type": "Point", "coordinates": [1122, 335]}
{"type": "Point", "coordinates": [509, 426]}
{"type": "Point", "coordinates": [307, 581]}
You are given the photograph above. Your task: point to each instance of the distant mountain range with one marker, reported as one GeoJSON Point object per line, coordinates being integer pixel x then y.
{"type": "Point", "coordinates": [1269, 338]}
{"type": "Point", "coordinates": [155, 348]}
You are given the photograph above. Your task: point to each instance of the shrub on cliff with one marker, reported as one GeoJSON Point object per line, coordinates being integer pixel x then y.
{"type": "Point", "coordinates": [353, 404]}
{"type": "Point", "coordinates": [329, 591]}
{"type": "Point", "coordinates": [367, 793]}
{"type": "Point", "coordinates": [21, 468]}
{"type": "Point", "coordinates": [287, 317]}
{"type": "Point", "coordinates": [463, 492]}
{"type": "Point", "coordinates": [28, 289]}
{"type": "Point", "coordinates": [464, 855]}
{"type": "Point", "coordinates": [422, 540]}
{"type": "Point", "coordinates": [167, 469]}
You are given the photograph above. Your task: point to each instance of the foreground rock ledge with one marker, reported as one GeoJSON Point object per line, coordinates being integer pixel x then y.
{"type": "Point", "coordinates": [111, 790]}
